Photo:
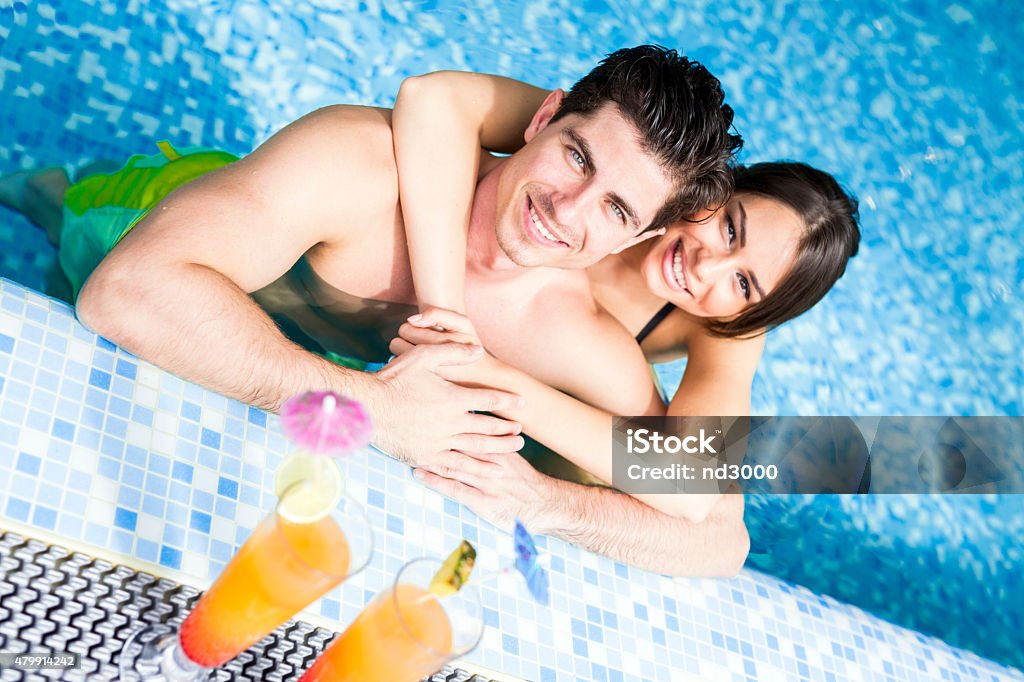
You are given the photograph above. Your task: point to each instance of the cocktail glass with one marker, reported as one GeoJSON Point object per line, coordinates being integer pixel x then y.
{"type": "Point", "coordinates": [406, 633]}
{"type": "Point", "coordinates": [285, 565]}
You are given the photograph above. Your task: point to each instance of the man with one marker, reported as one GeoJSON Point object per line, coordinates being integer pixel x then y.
{"type": "Point", "coordinates": [323, 193]}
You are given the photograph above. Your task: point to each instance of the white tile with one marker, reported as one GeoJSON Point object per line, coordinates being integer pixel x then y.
{"type": "Point", "coordinates": [213, 419]}
{"type": "Point", "coordinates": [32, 441]}
{"type": "Point", "coordinates": [104, 489]}
{"type": "Point", "coordinates": [146, 396]}
{"type": "Point", "coordinates": [137, 434]}
{"type": "Point", "coordinates": [150, 527]}
{"type": "Point", "coordinates": [147, 376]}
{"type": "Point", "coordinates": [254, 454]}
{"type": "Point", "coordinates": [99, 510]}
{"type": "Point", "coordinates": [248, 516]}
{"type": "Point", "coordinates": [163, 442]}
{"type": "Point", "coordinates": [204, 479]}
{"type": "Point", "coordinates": [10, 325]}
{"type": "Point", "coordinates": [165, 422]}
{"type": "Point", "coordinates": [195, 565]}
{"type": "Point", "coordinates": [80, 352]}
{"type": "Point", "coordinates": [223, 529]}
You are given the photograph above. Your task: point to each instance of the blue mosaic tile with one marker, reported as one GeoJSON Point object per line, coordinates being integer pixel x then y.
{"type": "Point", "coordinates": [123, 518]}
{"type": "Point", "coordinates": [182, 472]}
{"type": "Point", "coordinates": [257, 417]}
{"type": "Point", "coordinates": [510, 644]}
{"type": "Point", "coordinates": [190, 411]}
{"type": "Point", "coordinates": [156, 485]}
{"type": "Point", "coordinates": [28, 464]}
{"type": "Point", "coordinates": [176, 513]}
{"type": "Point", "coordinates": [200, 521]}
{"type": "Point", "coordinates": [170, 557]}
{"type": "Point", "coordinates": [99, 379]}
{"type": "Point", "coordinates": [210, 439]}
{"type": "Point", "coordinates": [146, 550]}
{"type": "Point", "coordinates": [17, 509]}
{"type": "Point", "coordinates": [142, 415]}
{"type": "Point", "coordinates": [227, 488]}
{"type": "Point", "coordinates": [129, 497]}
{"type": "Point", "coordinates": [109, 468]}
{"type": "Point", "coordinates": [174, 536]}
{"type": "Point", "coordinates": [154, 506]}
{"type": "Point", "coordinates": [224, 507]}
{"type": "Point", "coordinates": [126, 369]}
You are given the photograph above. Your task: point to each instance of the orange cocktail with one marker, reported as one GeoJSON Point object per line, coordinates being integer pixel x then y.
{"type": "Point", "coordinates": [282, 568]}
{"type": "Point", "coordinates": [405, 634]}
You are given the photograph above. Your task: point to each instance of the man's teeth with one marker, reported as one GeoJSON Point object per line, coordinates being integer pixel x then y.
{"type": "Point", "coordinates": [540, 227]}
{"type": "Point", "coordinates": [677, 265]}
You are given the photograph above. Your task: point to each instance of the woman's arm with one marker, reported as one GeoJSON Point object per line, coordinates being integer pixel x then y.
{"type": "Point", "coordinates": [716, 383]}
{"type": "Point", "coordinates": [440, 122]}
{"type": "Point", "coordinates": [718, 377]}
{"type": "Point", "coordinates": [579, 432]}
{"type": "Point", "coordinates": [719, 373]}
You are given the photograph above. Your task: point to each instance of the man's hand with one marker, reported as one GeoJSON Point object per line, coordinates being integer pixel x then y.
{"type": "Point", "coordinates": [510, 489]}
{"type": "Point", "coordinates": [429, 417]}
{"type": "Point", "coordinates": [600, 519]}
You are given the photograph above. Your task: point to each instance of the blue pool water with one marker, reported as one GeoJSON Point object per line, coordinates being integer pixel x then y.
{"type": "Point", "coordinates": [916, 106]}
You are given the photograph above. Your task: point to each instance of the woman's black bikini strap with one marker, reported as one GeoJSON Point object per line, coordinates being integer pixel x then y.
{"type": "Point", "coordinates": [654, 322]}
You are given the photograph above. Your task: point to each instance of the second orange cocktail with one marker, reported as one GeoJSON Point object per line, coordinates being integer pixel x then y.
{"type": "Point", "coordinates": [405, 634]}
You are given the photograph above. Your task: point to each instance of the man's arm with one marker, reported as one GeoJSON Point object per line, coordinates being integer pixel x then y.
{"type": "Point", "coordinates": [175, 290]}
{"type": "Point", "coordinates": [619, 526]}
{"type": "Point", "coordinates": [602, 520]}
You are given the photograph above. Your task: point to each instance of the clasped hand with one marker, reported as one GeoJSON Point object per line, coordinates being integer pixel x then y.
{"type": "Point", "coordinates": [499, 484]}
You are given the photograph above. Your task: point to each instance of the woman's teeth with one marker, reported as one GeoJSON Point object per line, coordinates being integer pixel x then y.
{"type": "Point", "coordinates": [540, 226]}
{"type": "Point", "coordinates": [677, 265]}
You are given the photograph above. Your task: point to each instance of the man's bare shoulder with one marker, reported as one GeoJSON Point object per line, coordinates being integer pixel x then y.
{"type": "Point", "coordinates": [567, 305]}
{"type": "Point", "coordinates": [339, 139]}
{"type": "Point", "coordinates": [335, 166]}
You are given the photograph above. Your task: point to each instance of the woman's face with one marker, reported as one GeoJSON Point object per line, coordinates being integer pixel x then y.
{"type": "Point", "coordinates": [729, 261]}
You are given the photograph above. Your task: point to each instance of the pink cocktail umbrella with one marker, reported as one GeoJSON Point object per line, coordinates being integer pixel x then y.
{"type": "Point", "coordinates": [326, 423]}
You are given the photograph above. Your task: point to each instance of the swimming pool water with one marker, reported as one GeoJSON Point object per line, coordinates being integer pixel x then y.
{"type": "Point", "coordinates": [915, 106]}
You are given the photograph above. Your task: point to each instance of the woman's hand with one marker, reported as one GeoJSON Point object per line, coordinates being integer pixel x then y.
{"type": "Point", "coordinates": [438, 325]}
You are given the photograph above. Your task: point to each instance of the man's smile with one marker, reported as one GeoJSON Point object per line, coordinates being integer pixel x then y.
{"type": "Point", "coordinates": [539, 228]}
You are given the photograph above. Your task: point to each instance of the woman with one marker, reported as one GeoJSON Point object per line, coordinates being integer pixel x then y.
{"type": "Point", "coordinates": [708, 289]}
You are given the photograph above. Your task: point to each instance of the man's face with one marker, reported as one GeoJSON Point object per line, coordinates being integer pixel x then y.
{"type": "Point", "coordinates": [580, 189]}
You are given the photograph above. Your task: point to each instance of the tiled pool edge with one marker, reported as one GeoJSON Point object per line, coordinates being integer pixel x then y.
{"type": "Point", "coordinates": [61, 384]}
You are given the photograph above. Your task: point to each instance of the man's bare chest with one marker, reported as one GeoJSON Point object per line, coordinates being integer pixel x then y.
{"type": "Point", "coordinates": [522, 322]}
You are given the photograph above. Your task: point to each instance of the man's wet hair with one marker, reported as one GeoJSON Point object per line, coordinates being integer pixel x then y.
{"type": "Point", "coordinates": [679, 111]}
